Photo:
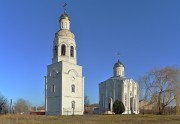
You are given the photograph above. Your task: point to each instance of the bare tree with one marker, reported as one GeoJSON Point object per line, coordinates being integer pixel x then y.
{"type": "Point", "coordinates": [160, 87]}
{"type": "Point", "coordinates": [3, 104]}
{"type": "Point", "coordinates": [86, 101]}
{"type": "Point", "coordinates": [21, 106]}
{"type": "Point", "coordinates": [178, 94]}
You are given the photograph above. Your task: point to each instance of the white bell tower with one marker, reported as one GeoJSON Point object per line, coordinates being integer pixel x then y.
{"type": "Point", "coordinates": [64, 81]}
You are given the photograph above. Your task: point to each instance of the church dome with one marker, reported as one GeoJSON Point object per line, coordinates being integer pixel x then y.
{"type": "Point", "coordinates": [118, 64]}
{"type": "Point", "coordinates": [119, 69]}
{"type": "Point", "coordinates": [66, 33]}
{"type": "Point", "coordinates": [64, 16]}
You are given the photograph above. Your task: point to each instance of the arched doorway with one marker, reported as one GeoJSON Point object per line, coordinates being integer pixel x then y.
{"type": "Point", "coordinates": [110, 104]}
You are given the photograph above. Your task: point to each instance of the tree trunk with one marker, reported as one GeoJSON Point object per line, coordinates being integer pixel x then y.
{"type": "Point", "coordinates": [159, 104]}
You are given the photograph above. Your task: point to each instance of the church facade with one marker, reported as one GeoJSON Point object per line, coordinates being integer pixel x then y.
{"type": "Point", "coordinates": [120, 88]}
{"type": "Point", "coordinates": [64, 83]}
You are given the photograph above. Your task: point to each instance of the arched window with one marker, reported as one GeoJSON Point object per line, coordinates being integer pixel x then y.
{"type": "Point", "coordinates": [73, 88]}
{"type": "Point", "coordinates": [63, 50]}
{"type": "Point", "coordinates": [73, 104]}
{"type": "Point", "coordinates": [61, 24]}
{"type": "Point", "coordinates": [53, 88]}
{"type": "Point", "coordinates": [72, 51]}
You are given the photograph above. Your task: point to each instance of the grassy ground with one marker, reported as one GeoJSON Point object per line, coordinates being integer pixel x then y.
{"type": "Point", "coordinates": [90, 119]}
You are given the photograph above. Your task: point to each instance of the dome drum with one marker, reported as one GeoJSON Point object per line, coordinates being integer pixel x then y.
{"type": "Point", "coordinates": [119, 69]}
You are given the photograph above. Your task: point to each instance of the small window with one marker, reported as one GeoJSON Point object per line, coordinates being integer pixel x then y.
{"type": "Point", "coordinates": [130, 93]}
{"type": "Point", "coordinates": [61, 25]}
{"type": "Point", "coordinates": [53, 88]}
{"type": "Point", "coordinates": [63, 50]}
{"type": "Point", "coordinates": [73, 88]}
{"type": "Point", "coordinates": [72, 51]}
{"type": "Point", "coordinates": [73, 104]}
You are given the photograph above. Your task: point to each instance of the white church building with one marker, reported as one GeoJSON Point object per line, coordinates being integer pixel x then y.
{"type": "Point", "coordinates": [121, 88]}
{"type": "Point", "coordinates": [64, 83]}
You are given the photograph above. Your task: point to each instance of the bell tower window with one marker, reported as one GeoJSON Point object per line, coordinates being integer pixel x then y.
{"type": "Point", "coordinates": [72, 51]}
{"type": "Point", "coordinates": [53, 88]}
{"type": "Point", "coordinates": [63, 50]}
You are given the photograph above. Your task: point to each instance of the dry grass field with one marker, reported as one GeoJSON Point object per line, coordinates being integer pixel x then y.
{"type": "Point", "coordinates": [90, 119]}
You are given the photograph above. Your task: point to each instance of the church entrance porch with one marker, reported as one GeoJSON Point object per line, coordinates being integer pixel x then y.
{"type": "Point", "coordinates": [109, 106]}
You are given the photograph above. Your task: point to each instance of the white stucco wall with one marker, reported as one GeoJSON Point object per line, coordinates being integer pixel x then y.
{"type": "Point", "coordinates": [116, 88]}
{"type": "Point", "coordinates": [63, 75]}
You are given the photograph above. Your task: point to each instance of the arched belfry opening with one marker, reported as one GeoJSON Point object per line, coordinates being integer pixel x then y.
{"type": "Point", "coordinates": [72, 51]}
{"type": "Point", "coordinates": [63, 50]}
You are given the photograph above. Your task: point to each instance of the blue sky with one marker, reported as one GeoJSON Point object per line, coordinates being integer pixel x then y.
{"type": "Point", "coordinates": [145, 32]}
